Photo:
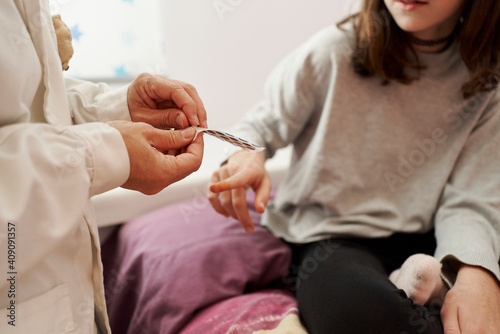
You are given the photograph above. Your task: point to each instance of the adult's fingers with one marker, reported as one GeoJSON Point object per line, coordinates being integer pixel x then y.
{"type": "Point", "coordinates": [193, 152]}
{"type": "Point", "coordinates": [165, 140]}
{"type": "Point", "coordinates": [151, 170]}
{"type": "Point", "coordinates": [175, 168]}
{"type": "Point", "coordinates": [180, 94]}
{"type": "Point", "coordinates": [200, 107]}
{"type": "Point", "coordinates": [167, 104]}
{"type": "Point", "coordinates": [168, 118]}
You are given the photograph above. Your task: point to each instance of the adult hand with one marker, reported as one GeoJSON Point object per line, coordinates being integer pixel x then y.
{"type": "Point", "coordinates": [152, 168]}
{"type": "Point", "coordinates": [227, 192]}
{"type": "Point", "coordinates": [472, 306]}
{"type": "Point", "coordinates": [165, 103]}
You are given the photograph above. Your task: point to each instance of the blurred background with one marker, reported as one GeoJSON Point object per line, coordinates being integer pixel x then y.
{"type": "Point", "coordinates": [225, 48]}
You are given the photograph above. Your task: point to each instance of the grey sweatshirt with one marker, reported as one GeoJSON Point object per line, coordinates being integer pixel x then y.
{"type": "Point", "coordinates": [370, 160]}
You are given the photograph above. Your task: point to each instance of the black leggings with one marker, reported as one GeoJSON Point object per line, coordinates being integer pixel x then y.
{"type": "Point", "coordinates": [342, 286]}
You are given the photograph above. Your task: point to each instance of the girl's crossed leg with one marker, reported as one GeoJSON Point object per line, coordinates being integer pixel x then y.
{"type": "Point", "coordinates": [342, 286]}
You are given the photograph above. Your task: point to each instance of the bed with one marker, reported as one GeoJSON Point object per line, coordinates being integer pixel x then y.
{"type": "Point", "coordinates": [173, 265]}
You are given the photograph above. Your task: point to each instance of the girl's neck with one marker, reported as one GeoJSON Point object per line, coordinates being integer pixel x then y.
{"type": "Point", "coordinates": [433, 45]}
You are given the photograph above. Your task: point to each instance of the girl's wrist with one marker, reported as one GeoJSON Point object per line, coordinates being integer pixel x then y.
{"type": "Point", "coordinates": [476, 274]}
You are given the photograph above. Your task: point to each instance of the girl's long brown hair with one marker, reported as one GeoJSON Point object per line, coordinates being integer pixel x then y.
{"type": "Point", "coordinates": [381, 46]}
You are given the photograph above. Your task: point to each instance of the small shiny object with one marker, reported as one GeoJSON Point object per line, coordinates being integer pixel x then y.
{"type": "Point", "coordinates": [229, 138]}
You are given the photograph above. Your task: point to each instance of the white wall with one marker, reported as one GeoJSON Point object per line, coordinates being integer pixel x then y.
{"type": "Point", "coordinates": [226, 48]}
{"type": "Point", "coordinates": [227, 60]}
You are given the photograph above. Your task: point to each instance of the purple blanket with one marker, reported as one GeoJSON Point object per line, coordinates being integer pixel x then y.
{"type": "Point", "coordinates": [163, 268]}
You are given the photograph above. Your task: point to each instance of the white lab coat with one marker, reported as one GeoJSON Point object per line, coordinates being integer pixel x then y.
{"type": "Point", "coordinates": [50, 165]}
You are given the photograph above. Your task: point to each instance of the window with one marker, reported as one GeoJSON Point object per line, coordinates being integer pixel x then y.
{"type": "Point", "coordinates": [114, 40]}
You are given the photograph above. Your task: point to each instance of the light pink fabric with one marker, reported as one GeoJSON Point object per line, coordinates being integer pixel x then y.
{"type": "Point", "coordinates": [244, 314]}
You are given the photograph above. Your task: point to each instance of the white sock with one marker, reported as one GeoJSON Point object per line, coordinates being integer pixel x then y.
{"type": "Point", "coordinates": [420, 278]}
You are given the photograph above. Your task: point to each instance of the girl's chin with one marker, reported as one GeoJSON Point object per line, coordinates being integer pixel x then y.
{"type": "Point", "coordinates": [411, 26]}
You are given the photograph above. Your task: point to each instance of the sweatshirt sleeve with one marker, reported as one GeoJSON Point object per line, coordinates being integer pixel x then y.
{"type": "Point", "coordinates": [467, 222]}
{"type": "Point", "coordinates": [293, 92]}
{"type": "Point", "coordinates": [96, 102]}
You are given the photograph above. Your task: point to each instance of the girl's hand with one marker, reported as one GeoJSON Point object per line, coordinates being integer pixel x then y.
{"type": "Point", "coordinates": [227, 192]}
{"type": "Point", "coordinates": [472, 306]}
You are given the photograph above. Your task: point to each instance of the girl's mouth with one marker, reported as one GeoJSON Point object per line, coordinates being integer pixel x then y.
{"type": "Point", "coordinates": [410, 2]}
{"type": "Point", "coordinates": [410, 5]}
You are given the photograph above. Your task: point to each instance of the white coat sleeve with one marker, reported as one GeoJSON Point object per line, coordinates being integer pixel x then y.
{"type": "Point", "coordinates": [96, 102]}
{"type": "Point", "coordinates": [52, 167]}
{"type": "Point", "coordinates": [47, 175]}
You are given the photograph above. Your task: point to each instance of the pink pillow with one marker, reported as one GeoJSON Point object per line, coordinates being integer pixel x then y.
{"type": "Point", "coordinates": [161, 268]}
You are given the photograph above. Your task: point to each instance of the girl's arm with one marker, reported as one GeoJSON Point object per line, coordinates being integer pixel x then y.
{"type": "Point", "coordinates": [294, 94]}
{"type": "Point", "coordinates": [467, 227]}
